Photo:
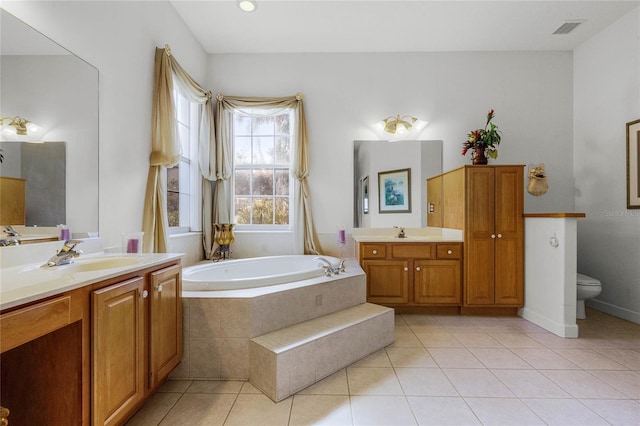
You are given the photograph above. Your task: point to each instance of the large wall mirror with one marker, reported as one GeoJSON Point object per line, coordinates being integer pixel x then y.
{"type": "Point", "coordinates": [376, 161]}
{"type": "Point", "coordinates": [43, 82]}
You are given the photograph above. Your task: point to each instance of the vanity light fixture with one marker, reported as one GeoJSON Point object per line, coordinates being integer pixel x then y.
{"type": "Point", "coordinates": [247, 5]}
{"type": "Point", "coordinates": [398, 127]}
{"type": "Point", "coordinates": [18, 128]}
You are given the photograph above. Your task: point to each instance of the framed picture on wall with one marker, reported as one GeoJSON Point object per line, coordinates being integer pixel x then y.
{"type": "Point", "coordinates": [394, 191]}
{"type": "Point", "coordinates": [633, 159]}
{"type": "Point", "coordinates": [365, 195]}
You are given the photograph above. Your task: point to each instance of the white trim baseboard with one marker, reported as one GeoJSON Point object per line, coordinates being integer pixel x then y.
{"type": "Point", "coordinates": [614, 310]}
{"type": "Point", "coordinates": [562, 330]}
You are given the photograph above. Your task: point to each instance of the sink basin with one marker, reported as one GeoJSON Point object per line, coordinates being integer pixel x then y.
{"type": "Point", "coordinates": [98, 264]}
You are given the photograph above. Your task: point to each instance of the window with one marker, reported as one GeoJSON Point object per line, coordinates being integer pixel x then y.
{"type": "Point", "coordinates": [182, 180]}
{"type": "Point", "coordinates": [262, 158]}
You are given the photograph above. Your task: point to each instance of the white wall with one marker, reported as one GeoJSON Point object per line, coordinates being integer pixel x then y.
{"type": "Point", "coordinates": [119, 38]}
{"type": "Point", "coordinates": [345, 94]}
{"type": "Point", "coordinates": [607, 96]}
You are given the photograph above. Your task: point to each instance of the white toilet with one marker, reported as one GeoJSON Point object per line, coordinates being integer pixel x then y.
{"type": "Point", "coordinates": [588, 288]}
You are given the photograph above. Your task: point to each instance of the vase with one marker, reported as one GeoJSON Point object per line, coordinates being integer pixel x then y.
{"type": "Point", "coordinates": [478, 156]}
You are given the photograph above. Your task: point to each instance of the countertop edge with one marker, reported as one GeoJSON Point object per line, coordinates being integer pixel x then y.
{"type": "Point", "coordinates": [555, 215]}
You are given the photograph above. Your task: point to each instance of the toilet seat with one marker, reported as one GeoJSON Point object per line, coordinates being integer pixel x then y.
{"type": "Point", "coordinates": [587, 281]}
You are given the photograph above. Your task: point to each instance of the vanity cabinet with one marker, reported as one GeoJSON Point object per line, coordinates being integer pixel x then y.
{"type": "Point", "coordinates": [487, 203]}
{"type": "Point", "coordinates": [412, 274]}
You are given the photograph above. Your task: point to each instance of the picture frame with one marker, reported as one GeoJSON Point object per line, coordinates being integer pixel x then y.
{"type": "Point", "coordinates": [633, 161]}
{"type": "Point", "coordinates": [394, 191]}
{"type": "Point", "coordinates": [365, 195]}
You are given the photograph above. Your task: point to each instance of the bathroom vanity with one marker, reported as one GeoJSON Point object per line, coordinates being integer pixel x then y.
{"type": "Point", "coordinates": [88, 343]}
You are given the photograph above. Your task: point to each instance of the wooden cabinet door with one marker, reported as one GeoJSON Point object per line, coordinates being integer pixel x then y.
{"type": "Point", "coordinates": [165, 322]}
{"type": "Point", "coordinates": [480, 236]}
{"type": "Point", "coordinates": [387, 281]}
{"type": "Point", "coordinates": [434, 202]}
{"type": "Point", "coordinates": [437, 282]}
{"type": "Point", "coordinates": [509, 228]}
{"type": "Point", "coordinates": [117, 350]}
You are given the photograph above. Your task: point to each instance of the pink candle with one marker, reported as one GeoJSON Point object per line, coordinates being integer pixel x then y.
{"type": "Point", "coordinates": [342, 237]}
{"type": "Point", "coordinates": [65, 234]}
{"type": "Point", "coordinates": [132, 245]}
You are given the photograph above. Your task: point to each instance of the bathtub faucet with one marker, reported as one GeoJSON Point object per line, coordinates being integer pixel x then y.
{"type": "Point", "coordinates": [329, 268]}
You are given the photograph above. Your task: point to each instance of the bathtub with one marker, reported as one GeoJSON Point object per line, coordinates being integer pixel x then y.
{"type": "Point", "coordinates": [226, 304]}
{"type": "Point", "coordinates": [253, 272]}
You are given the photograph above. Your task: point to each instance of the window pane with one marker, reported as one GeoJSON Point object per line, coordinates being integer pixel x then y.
{"type": "Point", "coordinates": [282, 181]}
{"type": "Point", "coordinates": [282, 211]}
{"type": "Point", "coordinates": [282, 150]}
{"type": "Point", "coordinates": [263, 150]}
{"type": "Point", "coordinates": [242, 211]}
{"type": "Point", "coordinates": [173, 178]}
{"type": "Point", "coordinates": [182, 108]}
{"type": "Point", "coordinates": [262, 211]}
{"type": "Point", "coordinates": [242, 182]}
{"type": "Point", "coordinates": [282, 124]}
{"type": "Point", "coordinates": [262, 182]}
{"type": "Point", "coordinates": [173, 208]}
{"type": "Point", "coordinates": [185, 168]}
{"type": "Point", "coordinates": [242, 150]}
{"type": "Point", "coordinates": [183, 136]}
{"type": "Point", "coordinates": [183, 220]}
{"type": "Point", "coordinates": [263, 126]}
{"type": "Point", "coordinates": [241, 125]}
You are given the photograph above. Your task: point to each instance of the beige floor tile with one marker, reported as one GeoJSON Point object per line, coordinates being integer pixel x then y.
{"type": "Point", "coordinates": [411, 357]}
{"type": "Point", "coordinates": [552, 341]}
{"type": "Point", "coordinates": [463, 328]}
{"type": "Point", "coordinates": [155, 409]}
{"type": "Point", "coordinates": [381, 411]}
{"type": "Point", "coordinates": [582, 384]}
{"type": "Point", "coordinates": [215, 386]}
{"type": "Point", "coordinates": [476, 340]}
{"type": "Point", "coordinates": [428, 328]}
{"type": "Point", "coordinates": [544, 359]}
{"type": "Point", "coordinates": [503, 411]}
{"type": "Point", "coordinates": [630, 358]}
{"type": "Point", "coordinates": [529, 384]}
{"type": "Point", "coordinates": [419, 319]}
{"type": "Point", "coordinates": [454, 358]}
{"type": "Point", "coordinates": [377, 359]}
{"type": "Point", "coordinates": [477, 383]}
{"type": "Point", "coordinates": [250, 409]}
{"type": "Point", "coordinates": [563, 412]}
{"type": "Point", "coordinates": [335, 384]}
{"type": "Point", "coordinates": [247, 387]}
{"type": "Point", "coordinates": [373, 381]}
{"type": "Point", "coordinates": [499, 358]}
{"type": "Point", "coordinates": [200, 409]}
{"type": "Point", "coordinates": [175, 386]}
{"type": "Point", "coordinates": [589, 359]}
{"type": "Point", "coordinates": [515, 340]}
{"type": "Point", "coordinates": [333, 410]}
{"type": "Point", "coordinates": [425, 382]}
{"type": "Point", "coordinates": [442, 411]}
{"type": "Point", "coordinates": [616, 412]}
{"type": "Point", "coordinates": [405, 338]}
{"type": "Point", "coordinates": [438, 340]}
{"type": "Point", "coordinates": [627, 382]}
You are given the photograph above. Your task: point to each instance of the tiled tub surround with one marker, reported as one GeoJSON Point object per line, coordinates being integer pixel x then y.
{"type": "Point", "coordinates": [219, 325]}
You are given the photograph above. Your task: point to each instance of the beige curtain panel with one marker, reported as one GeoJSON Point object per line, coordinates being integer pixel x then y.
{"type": "Point", "coordinates": [165, 145]}
{"type": "Point", "coordinates": [306, 240]}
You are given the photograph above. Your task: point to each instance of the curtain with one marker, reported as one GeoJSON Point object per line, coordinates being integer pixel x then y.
{"type": "Point", "coordinates": [165, 146]}
{"type": "Point", "coordinates": [306, 240]}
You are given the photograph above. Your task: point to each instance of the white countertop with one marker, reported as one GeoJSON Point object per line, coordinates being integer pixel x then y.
{"type": "Point", "coordinates": [24, 283]}
{"type": "Point", "coordinates": [413, 235]}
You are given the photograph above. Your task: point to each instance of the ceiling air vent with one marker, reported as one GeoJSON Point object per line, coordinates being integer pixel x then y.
{"type": "Point", "coordinates": [568, 26]}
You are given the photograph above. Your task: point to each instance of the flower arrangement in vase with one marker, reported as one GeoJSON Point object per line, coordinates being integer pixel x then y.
{"type": "Point", "coordinates": [483, 141]}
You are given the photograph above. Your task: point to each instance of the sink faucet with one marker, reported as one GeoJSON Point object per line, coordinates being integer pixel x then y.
{"type": "Point", "coordinates": [401, 234]}
{"type": "Point", "coordinates": [9, 242]}
{"type": "Point", "coordinates": [66, 254]}
{"type": "Point", "coordinates": [329, 268]}
{"type": "Point", "coordinates": [8, 229]}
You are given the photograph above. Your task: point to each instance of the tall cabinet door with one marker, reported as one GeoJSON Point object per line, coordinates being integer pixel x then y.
{"type": "Point", "coordinates": [118, 350]}
{"type": "Point", "coordinates": [509, 228]}
{"type": "Point", "coordinates": [479, 236]}
{"type": "Point", "coordinates": [165, 322]}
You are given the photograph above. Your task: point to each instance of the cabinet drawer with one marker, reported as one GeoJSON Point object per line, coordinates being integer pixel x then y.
{"type": "Point", "coordinates": [449, 251]}
{"type": "Point", "coordinates": [412, 251]}
{"type": "Point", "coordinates": [374, 251]}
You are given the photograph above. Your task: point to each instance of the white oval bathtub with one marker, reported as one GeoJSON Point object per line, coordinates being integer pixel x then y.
{"type": "Point", "coordinates": [253, 272]}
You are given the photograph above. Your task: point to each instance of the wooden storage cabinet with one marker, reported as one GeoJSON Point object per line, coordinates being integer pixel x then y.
{"type": "Point", "coordinates": [412, 274]}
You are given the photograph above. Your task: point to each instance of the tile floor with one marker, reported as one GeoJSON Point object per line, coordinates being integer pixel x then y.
{"type": "Point", "coordinates": [443, 370]}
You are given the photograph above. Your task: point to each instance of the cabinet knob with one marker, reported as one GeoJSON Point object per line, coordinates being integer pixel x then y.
{"type": "Point", "coordinates": [493, 235]}
{"type": "Point", "coordinates": [449, 251]}
{"type": "Point", "coordinates": [159, 288]}
{"type": "Point", "coordinates": [406, 269]}
{"type": "Point", "coordinates": [418, 268]}
{"type": "Point", "coordinates": [145, 293]}
{"type": "Point", "coordinates": [499, 235]}
{"type": "Point", "coordinates": [375, 252]}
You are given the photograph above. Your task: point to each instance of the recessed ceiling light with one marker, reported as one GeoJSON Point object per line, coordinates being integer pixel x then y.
{"type": "Point", "coordinates": [568, 26]}
{"type": "Point", "coordinates": [247, 5]}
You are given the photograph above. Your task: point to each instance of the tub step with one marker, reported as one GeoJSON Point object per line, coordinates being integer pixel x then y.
{"type": "Point", "coordinates": [285, 361]}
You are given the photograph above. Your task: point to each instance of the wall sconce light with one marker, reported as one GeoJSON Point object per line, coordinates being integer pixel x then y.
{"type": "Point", "coordinates": [19, 129]}
{"type": "Point", "coordinates": [395, 128]}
